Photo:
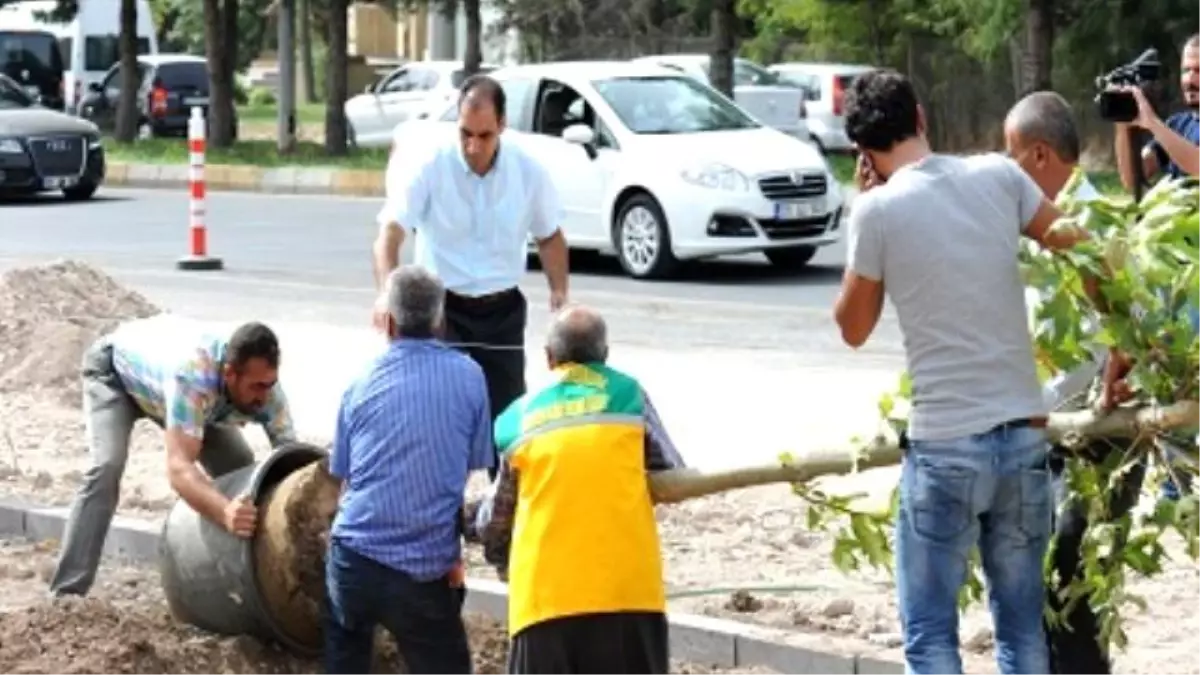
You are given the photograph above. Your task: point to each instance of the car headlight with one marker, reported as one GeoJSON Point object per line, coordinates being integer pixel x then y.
{"type": "Point", "coordinates": [10, 146]}
{"type": "Point", "coordinates": [717, 176]}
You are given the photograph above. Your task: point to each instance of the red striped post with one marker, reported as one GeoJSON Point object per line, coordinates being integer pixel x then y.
{"type": "Point", "coordinates": [198, 258]}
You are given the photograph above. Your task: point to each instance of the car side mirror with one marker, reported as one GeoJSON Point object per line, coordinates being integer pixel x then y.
{"type": "Point", "coordinates": [370, 88]}
{"type": "Point", "coordinates": [579, 134]}
{"type": "Point", "coordinates": [95, 88]}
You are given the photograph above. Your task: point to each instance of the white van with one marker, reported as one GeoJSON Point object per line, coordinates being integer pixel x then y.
{"type": "Point", "coordinates": [88, 43]}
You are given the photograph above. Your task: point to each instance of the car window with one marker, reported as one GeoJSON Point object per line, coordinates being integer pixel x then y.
{"type": "Point", "coordinates": [748, 72]}
{"type": "Point", "coordinates": [807, 81]}
{"type": "Point", "coordinates": [184, 75]}
{"type": "Point", "coordinates": [65, 51]}
{"type": "Point", "coordinates": [100, 52]}
{"type": "Point", "coordinates": [670, 105]}
{"type": "Point", "coordinates": [30, 56]}
{"type": "Point", "coordinates": [11, 95]}
{"type": "Point", "coordinates": [112, 81]}
{"type": "Point", "coordinates": [403, 80]}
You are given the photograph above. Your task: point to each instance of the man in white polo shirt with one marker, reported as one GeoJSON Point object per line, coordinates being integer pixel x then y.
{"type": "Point", "coordinates": [475, 203]}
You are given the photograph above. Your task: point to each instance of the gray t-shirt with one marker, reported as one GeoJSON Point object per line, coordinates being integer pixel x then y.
{"type": "Point", "coordinates": [943, 236]}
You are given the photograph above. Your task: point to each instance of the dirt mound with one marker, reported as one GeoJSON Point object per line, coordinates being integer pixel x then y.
{"type": "Point", "coordinates": [49, 314]}
{"type": "Point", "coordinates": [289, 553]}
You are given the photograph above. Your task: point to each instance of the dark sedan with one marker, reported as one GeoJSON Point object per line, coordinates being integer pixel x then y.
{"type": "Point", "coordinates": [43, 150]}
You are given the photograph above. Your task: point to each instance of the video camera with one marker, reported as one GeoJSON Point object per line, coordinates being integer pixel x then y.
{"type": "Point", "coordinates": [1119, 106]}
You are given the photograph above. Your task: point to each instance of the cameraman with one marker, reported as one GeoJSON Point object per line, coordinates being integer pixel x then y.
{"type": "Point", "coordinates": [1173, 149]}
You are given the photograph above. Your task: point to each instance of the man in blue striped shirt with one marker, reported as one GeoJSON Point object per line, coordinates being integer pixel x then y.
{"type": "Point", "coordinates": [410, 430]}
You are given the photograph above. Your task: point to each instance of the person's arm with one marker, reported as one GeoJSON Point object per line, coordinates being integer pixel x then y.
{"type": "Point", "coordinates": [1037, 214]}
{"type": "Point", "coordinates": [551, 243]}
{"type": "Point", "coordinates": [483, 454]}
{"type": "Point", "coordinates": [860, 302]}
{"type": "Point", "coordinates": [495, 517]}
{"type": "Point", "coordinates": [405, 207]}
{"type": "Point", "coordinates": [339, 452]}
{"type": "Point", "coordinates": [276, 418]}
{"type": "Point", "coordinates": [1169, 144]}
{"type": "Point", "coordinates": [187, 406]}
{"type": "Point", "coordinates": [1124, 150]}
{"type": "Point", "coordinates": [661, 453]}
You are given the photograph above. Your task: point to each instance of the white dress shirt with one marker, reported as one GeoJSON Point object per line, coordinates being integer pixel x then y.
{"type": "Point", "coordinates": [472, 231]}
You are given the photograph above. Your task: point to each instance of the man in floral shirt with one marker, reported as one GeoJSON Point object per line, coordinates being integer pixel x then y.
{"type": "Point", "coordinates": [199, 388]}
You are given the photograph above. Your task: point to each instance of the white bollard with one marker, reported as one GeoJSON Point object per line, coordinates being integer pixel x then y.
{"type": "Point", "coordinates": [199, 258]}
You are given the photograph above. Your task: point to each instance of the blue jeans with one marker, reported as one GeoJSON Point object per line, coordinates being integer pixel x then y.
{"type": "Point", "coordinates": [425, 618]}
{"type": "Point", "coordinates": [991, 489]}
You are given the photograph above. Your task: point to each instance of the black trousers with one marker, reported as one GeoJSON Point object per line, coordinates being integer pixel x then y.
{"type": "Point", "coordinates": [621, 642]}
{"type": "Point", "coordinates": [492, 328]}
{"type": "Point", "coordinates": [1075, 646]}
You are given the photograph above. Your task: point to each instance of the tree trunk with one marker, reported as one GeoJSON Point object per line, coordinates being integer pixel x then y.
{"type": "Point", "coordinates": [127, 107]}
{"type": "Point", "coordinates": [1039, 47]}
{"type": "Point", "coordinates": [1072, 429]}
{"type": "Point", "coordinates": [335, 80]}
{"type": "Point", "coordinates": [220, 44]}
{"type": "Point", "coordinates": [473, 54]}
{"type": "Point", "coordinates": [724, 34]}
{"type": "Point", "coordinates": [308, 70]}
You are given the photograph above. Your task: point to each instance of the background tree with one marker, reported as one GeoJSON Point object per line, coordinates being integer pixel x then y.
{"type": "Point", "coordinates": [127, 107]}
{"type": "Point", "coordinates": [221, 49]}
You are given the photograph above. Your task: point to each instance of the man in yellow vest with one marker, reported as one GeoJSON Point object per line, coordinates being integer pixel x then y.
{"type": "Point", "coordinates": [571, 521]}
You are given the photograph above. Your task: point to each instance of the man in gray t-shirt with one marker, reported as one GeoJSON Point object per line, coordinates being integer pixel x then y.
{"type": "Point", "coordinates": [939, 236]}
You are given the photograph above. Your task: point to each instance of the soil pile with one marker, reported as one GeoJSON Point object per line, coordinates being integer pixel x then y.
{"type": "Point", "coordinates": [289, 553]}
{"type": "Point", "coordinates": [49, 315]}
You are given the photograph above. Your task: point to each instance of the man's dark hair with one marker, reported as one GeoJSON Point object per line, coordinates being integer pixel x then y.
{"type": "Point", "coordinates": [252, 341]}
{"type": "Point", "coordinates": [880, 110]}
{"type": "Point", "coordinates": [488, 88]}
{"type": "Point", "coordinates": [1047, 117]}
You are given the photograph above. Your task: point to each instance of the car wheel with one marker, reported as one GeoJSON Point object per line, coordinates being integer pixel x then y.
{"type": "Point", "coordinates": [81, 192]}
{"type": "Point", "coordinates": [794, 257]}
{"type": "Point", "coordinates": [643, 239]}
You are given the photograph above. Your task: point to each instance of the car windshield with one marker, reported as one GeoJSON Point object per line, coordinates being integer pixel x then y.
{"type": "Point", "coordinates": [12, 97]}
{"type": "Point", "coordinates": [670, 105]}
{"type": "Point", "coordinates": [29, 56]}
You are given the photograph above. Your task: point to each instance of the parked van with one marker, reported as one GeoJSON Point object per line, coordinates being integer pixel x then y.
{"type": "Point", "coordinates": [88, 43]}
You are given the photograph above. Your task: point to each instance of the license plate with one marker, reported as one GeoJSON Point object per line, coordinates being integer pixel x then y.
{"type": "Point", "coordinates": [59, 182]}
{"type": "Point", "coordinates": [794, 210]}
{"type": "Point", "coordinates": [195, 101]}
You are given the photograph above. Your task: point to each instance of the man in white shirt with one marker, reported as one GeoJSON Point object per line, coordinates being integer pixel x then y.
{"type": "Point", "coordinates": [1041, 135]}
{"type": "Point", "coordinates": [475, 202]}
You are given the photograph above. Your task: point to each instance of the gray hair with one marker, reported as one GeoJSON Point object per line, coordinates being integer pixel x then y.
{"type": "Point", "coordinates": [1193, 42]}
{"type": "Point", "coordinates": [578, 334]}
{"type": "Point", "coordinates": [1047, 117]}
{"type": "Point", "coordinates": [416, 301]}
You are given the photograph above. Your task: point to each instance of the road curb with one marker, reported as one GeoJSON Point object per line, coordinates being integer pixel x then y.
{"type": "Point", "coordinates": [718, 642]}
{"type": "Point", "coordinates": [238, 178]}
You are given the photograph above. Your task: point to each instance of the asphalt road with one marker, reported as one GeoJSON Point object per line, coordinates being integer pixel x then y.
{"type": "Point", "coordinates": [308, 259]}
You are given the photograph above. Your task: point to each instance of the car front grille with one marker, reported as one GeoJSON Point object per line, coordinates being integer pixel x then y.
{"type": "Point", "coordinates": [794, 228]}
{"type": "Point", "coordinates": [792, 186]}
{"type": "Point", "coordinates": [58, 155]}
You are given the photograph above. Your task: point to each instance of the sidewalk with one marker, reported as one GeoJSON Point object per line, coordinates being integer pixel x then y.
{"type": "Point", "coordinates": [270, 180]}
{"type": "Point", "coordinates": [722, 408]}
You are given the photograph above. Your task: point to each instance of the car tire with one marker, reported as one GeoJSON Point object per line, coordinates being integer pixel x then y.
{"type": "Point", "coordinates": [81, 192]}
{"type": "Point", "coordinates": [642, 238]}
{"type": "Point", "coordinates": [793, 257]}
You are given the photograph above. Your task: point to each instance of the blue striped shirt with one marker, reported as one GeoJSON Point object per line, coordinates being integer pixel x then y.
{"type": "Point", "coordinates": [409, 432]}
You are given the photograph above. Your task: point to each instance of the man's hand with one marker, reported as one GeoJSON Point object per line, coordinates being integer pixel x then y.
{"type": "Point", "coordinates": [558, 300]}
{"type": "Point", "coordinates": [1146, 117]}
{"type": "Point", "coordinates": [380, 314]}
{"type": "Point", "coordinates": [241, 517]}
{"type": "Point", "coordinates": [1116, 388]}
{"type": "Point", "coordinates": [865, 176]}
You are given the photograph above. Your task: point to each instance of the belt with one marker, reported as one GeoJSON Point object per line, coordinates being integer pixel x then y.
{"type": "Point", "coordinates": [480, 300]}
{"type": "Point", "coordinates": [1030, 422]}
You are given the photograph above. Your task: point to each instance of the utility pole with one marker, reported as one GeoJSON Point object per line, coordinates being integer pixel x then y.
{"type": "Point", "coordinates": [286, 132]}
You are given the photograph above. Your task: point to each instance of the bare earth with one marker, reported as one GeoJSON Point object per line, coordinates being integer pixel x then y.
{"type": "Point", "coordinates": [124, 627]}
{"type": "Point", "coordinates": [748, 538]}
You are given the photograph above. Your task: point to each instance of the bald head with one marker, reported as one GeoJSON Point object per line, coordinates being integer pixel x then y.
{"type": "Point", "coordinates": [1045, 117]}
{"type": "Point", "coordinates": [577, 334]}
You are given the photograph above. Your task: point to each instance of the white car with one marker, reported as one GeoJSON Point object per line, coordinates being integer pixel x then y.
{"type": "Point", "coordinates": [826, 84]}
{"type": "Point", "coordinates": [412, 91]}
{"type": "Point", "coordinates": [657, 167]}
{"type": "Point", "coordinates": [778, 104]}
